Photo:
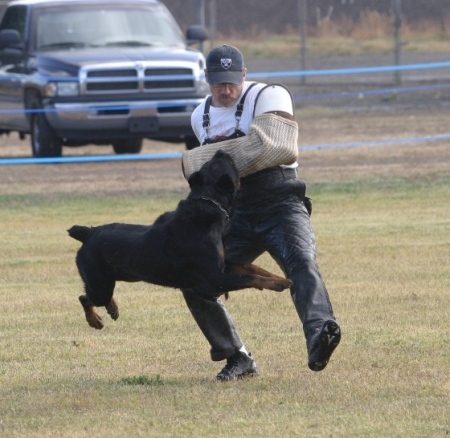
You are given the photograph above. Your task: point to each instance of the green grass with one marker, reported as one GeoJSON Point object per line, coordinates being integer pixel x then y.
{"type": "Point", "coordinates": [384, 251]}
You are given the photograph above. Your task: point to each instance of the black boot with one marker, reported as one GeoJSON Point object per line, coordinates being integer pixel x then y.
{"type": "Point", "coordinates": [238, 365]}
{"type": "Point", "coordinates": [321, 345]}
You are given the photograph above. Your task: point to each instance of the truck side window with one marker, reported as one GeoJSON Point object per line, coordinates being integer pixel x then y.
{"type": "Point", "coordinates": [15, 18]}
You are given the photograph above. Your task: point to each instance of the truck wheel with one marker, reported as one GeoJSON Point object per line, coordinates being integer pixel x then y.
{"type": "Point", "coordinates": [128, 146]}
{"type": "Point", "coordinates": [44, 141]}
{"type": "Point", "coordinates": [191, 143]}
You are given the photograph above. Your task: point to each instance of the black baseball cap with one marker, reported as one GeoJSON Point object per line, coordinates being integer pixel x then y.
{"type": "Point", "coordinates": [224, 65]}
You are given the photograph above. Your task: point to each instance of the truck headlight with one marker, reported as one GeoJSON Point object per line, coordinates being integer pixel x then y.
{"type": "Point", "coordinates": [65, 88]}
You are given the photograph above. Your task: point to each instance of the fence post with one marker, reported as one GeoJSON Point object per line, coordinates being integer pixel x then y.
{"type": "Point", "coordinates": [212, 22]}
{"type": "Point", "coordinates": [397, 10]}
{"type": "Point", "coordinates": [201, 17]}
{"type": "Point", "coordinates": [302, 22]}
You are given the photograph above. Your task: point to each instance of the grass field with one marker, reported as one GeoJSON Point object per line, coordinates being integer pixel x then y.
{"type": "Point", "coordinates": [381, 215]}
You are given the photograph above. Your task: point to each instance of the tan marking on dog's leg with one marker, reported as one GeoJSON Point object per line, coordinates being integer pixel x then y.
{"type": "Point", "coordinates": [239, 279]}
{"type": "Point", "coordinates": [277, 285]}
{"type": "Point", "coordinates": [92, 317]}
{"type": "Point", "coordinates": [280, 283]}
{"type": "Point", "coordinates": [113, 309]}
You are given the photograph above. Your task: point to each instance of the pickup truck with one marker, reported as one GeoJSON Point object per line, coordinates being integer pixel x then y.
{"type": "Point", "coordinates": [78, 72]}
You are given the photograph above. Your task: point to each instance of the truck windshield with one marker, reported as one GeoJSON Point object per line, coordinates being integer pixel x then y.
{"type": "Point", "coordinates": [83, 26]}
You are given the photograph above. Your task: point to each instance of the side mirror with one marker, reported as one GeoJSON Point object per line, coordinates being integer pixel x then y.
{"type": "Point", "coordinates": [10, 38]}
{"type": "Point", "coordinates": [196, 33]}
{"type": "Point", "coordinates": [11, 47]}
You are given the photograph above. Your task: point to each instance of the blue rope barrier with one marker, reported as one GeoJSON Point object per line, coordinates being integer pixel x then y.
{"type": "Point", "coordinates": [180, 103]}
{"type": "Point", "coordinates": [90, 158]}
{"type": "Point", "coordinates": [141, 157]}
{"type": "Point", "coordinates": [178, 155]}
{"type": "Point", "coordinates": [349, 71]}
{"type": "Point", "coordinates": [325, 72]}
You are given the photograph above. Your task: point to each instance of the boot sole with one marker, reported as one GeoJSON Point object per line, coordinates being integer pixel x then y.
{"type": "Point", "coordinates": [329, 339]}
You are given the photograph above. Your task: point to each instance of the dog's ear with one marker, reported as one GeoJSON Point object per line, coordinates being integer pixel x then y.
{"type": "Point", "coordinates": [195, 180]}
{"type": "Point", "coordinates": [226, 184]}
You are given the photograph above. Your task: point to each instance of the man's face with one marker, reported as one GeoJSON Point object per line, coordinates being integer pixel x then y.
{"type": "Point", "coordinates": [226, 95]}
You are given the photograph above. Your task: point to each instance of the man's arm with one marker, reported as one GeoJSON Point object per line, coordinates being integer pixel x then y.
{"type": "Point", "coordinates": [272, 140]}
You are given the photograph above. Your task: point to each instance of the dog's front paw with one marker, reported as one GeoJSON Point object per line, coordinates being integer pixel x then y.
{"type": "Point", "coordinates": [282, 284]}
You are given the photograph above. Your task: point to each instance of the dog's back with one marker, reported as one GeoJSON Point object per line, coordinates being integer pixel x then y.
{"type": "Point", "coordinates": [80, 232]}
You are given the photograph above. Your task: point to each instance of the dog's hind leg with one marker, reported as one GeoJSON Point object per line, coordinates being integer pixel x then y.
{"type": "Point", "coordinates": [99, 286]}
{"type": "Point", "coordinates": [94, 299]}
{"type": "Point", "coordinates": [113, 309]}
{"type": "Point", "coordinates": [228, 282]}
{"type": "Point", "coordinates": [92, 317]}
{"type": "Point", "coordinates": [232, 268]}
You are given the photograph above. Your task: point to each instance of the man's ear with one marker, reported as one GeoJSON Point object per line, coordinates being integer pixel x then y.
{"type": "Point", "coordinates": [195, 180]}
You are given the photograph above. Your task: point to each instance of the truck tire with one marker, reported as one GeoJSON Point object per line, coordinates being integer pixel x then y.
{"type": "Point", "coordinates": [128, 146]}
{"type": "Point", "coordinates": [44, 141]}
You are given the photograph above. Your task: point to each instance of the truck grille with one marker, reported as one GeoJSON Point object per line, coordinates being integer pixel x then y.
{"type": "Point", "coordinates": [126, 80]}
{"type": "Point", "coordinates": [172, 83]}
{"type": "Point", "coordinates": [119, 80]}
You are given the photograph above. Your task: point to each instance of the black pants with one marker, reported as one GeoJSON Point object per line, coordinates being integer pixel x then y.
{"type": "Point", "coordinates": [270, 215]}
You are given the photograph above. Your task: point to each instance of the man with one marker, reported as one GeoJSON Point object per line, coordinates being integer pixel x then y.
{"type": "Point", "coordinates": [271, 215]}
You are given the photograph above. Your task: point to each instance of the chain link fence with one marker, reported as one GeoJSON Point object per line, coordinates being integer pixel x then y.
{"type": "Point", "coordinates": [329, 34]}
{"type": "Point", "coordinates": [248, 17]}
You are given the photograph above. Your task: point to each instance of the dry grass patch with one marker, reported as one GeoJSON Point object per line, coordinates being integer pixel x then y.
{"type": "Point", "coordinates": [372, 32]}
{"type": "Point", "coordinates": [384, 249]}
{"type": "Point", "coordinates": [386, 265]}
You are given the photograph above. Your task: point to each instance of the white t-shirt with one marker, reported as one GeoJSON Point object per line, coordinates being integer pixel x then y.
{"type": "Point", "coordinates": [223, 120]}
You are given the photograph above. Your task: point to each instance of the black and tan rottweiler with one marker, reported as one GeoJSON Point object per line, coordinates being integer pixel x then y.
{"type": "Point", "coordinates": [181, 249]}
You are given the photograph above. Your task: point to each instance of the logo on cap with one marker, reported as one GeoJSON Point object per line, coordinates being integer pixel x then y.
{"type": "Point", "coordinates": [226, 63]}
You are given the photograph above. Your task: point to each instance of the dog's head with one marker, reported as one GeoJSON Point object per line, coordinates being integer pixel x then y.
{"type": "Point", "coordinates": [217, 179]}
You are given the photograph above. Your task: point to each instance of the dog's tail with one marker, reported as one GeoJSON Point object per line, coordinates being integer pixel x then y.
{"type": "Point", "coordinates": [80, 232]}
